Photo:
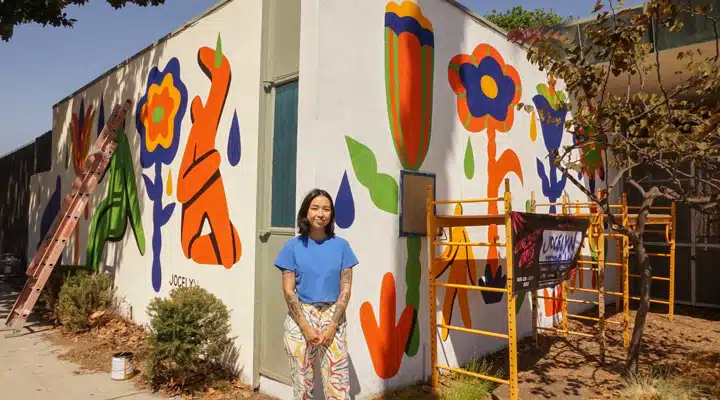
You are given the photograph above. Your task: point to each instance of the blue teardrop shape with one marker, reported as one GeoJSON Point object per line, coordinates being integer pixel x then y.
{"type": "Point", "coordinates": [233, 148]}
{"type": "Point", "coordinates": [344, 204]}
{"type": "Point", "coordinates": [101, 116]}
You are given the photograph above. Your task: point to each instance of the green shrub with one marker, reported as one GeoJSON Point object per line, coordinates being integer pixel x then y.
{"type": "Point", "coordinates": [463, 387]}
{"type": "Point", "coordinates": [83, 297]}
{"type": "Point", "coordinates": [188, 336]}
{"type": "Point", "coordinates": [660, 384]}
{"type": "Point", "coordinates": [49, 297]}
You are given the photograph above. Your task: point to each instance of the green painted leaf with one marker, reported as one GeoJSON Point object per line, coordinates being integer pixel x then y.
{"type": "Point", "coordinates": [469, 161]}
{"type": "Point", "coordinates": [120, 207]}
{"type": "Point", "coordinates": [413, 274]}
{"type": "Point", "coordinates": [362, 159]}
{"type": "Point", "coordinates": [382, 187]}
{"type": "Point", "coordinates": [384, 193]}
{"type": "Point", "coordinates": [528, 206]}
{"type": "Point", "coordinates": [562, 97]}
{"type": "Point", "coordinates": [218, 52]}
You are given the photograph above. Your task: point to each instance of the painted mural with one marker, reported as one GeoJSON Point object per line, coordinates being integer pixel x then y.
{"type": "Point", "coordinates": [154, 220]}
{"type": "Point", "coordinates": [460, 261]}
{"type": "Point", "coordinates": [121, 205]}
{"type": "Point", "coordinates": [383, 188]}
{"type": "Point", "coordinates": [200, 187]}
{"type": "Point", "coordinates": [409, 73]}
{"type": "Point", "coordinates": [386, 340]}
{"type": "Point", "coordinates": [481, 94]}
{"type": "Point", "coordinates": [487, 91]}
{"type": "Point", "coordinates": [592, 156]}
{"type": "Point", "coordinates": [52, 208]}
{"type": "Point", "coordinates": [78, 147]}
{"type": "Point", "coordinates": [159, 115]}
{"type": "Point", "coordinates": [409, 70]}
{"type": "Point", "coordinates": [552, 110]}
{"type": "Point", "coordinates": [234, 147]}
{"type": "Point", "coordinates": [344, 204]}
{"type": "Point", "coordinates": [552, 301]}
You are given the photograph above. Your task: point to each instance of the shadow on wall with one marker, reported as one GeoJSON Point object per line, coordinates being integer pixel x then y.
{"type": "Point", "coordinates": [230, 357]}
{"type": "Point", "coordinates": [450, 39]}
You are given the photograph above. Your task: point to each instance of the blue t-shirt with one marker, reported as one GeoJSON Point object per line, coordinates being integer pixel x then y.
{"type": "Point", "coordinates": [317, 266]}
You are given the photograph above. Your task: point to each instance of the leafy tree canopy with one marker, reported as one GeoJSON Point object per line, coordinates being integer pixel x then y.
{"type": "Point", "coordinates": [518, 17]}
{"type": "Point", "coordinates": [49, 12]}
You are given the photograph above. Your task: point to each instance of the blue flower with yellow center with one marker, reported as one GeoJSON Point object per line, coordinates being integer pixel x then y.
{"type": "Point", "coordinates": [489, 92]}
{"type": "Point", "coordinates": [487, 89]}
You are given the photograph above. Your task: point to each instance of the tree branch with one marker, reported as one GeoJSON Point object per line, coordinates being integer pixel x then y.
{"type": "Point", "coordinates": [657, 68]}
{"type": "Point", "coordinates": [603, 203]}
{"type": "Point", "coordinates": [637, 186]}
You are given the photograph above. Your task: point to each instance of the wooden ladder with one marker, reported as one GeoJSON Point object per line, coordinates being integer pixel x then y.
{"type": "Point", "coordinates": [54, 243]}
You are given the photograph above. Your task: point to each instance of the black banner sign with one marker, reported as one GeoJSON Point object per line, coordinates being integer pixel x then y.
{"type": "Point", "coordinates": [545, 249]}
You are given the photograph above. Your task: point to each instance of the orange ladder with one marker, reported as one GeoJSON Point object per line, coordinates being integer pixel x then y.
{"type": "Point", "coordinates": [53, 244]}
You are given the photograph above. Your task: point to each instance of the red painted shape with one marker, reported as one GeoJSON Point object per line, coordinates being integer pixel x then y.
{"type": "Point", "coordinates": [386, 341]}
{"type": "Point", "coordinates": [200, 186]}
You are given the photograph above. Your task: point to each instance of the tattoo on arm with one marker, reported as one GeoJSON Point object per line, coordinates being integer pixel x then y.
{"type": "Point", "coordinates": [293, 304]}
{"type": "Point", "coordinates": [344, 298]}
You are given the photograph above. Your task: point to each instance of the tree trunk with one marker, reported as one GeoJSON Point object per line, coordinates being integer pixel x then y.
{"type": "Point", "coordinates": [633, 355]}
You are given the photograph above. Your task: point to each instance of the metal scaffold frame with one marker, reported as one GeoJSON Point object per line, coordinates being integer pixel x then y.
{"type": "Point", "coordinates": [596, 242]}
{"type": "Point", "coordinates": [435, 222]}
{"type": "Point", "coordinates": [667, 221]}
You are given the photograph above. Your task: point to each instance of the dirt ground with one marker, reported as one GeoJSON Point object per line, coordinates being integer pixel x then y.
{"type": "Point", "coordinates": [561, 368]}
{"type": "Point", "coordinates": [570, 367]}
{"type": "Point", "coordinates": [92, 351]}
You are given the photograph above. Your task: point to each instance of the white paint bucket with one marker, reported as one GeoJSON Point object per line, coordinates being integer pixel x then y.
{"type": "Point", "coordinates": [122, 366]}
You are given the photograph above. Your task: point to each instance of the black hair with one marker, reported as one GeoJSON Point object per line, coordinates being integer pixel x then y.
{"type": "Point", "coordinates": [302, 222]}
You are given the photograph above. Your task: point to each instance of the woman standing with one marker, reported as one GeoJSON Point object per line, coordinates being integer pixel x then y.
{"type": "Point", "coordinates": [317, 278]}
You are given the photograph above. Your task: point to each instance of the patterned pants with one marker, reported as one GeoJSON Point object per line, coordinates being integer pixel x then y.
{"type": "Point", "coordinates": [334, 365]}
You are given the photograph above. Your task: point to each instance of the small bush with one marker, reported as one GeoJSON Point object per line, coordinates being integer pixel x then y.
{"type": "Point", "coordinates": [464, 387]}
{"type": "Point", "coordinates": [659, 385]}
{"type": "Point", "coordinates": [49, 297]}
{"type": "Point", "coordinates": [188, 336]}
{"type": "Point", "coordinates": [85, 300]}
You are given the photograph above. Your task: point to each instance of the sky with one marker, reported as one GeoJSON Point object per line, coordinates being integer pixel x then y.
{"type": "Point", "coordinates": [42, 65]}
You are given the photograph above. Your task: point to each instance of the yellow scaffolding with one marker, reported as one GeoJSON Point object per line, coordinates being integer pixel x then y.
{"type": "Point", "coordinates": [435, 222]}
{"type": "Point", "coordinates": [667, 223]}
{"type": "Point", "coordinates": [596, 241]}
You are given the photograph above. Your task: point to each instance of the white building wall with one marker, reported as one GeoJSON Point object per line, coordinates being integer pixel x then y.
{"type": "Point", "coordinates": [236, 25]}
{"type": "Point", "coordinates": [342, 100]}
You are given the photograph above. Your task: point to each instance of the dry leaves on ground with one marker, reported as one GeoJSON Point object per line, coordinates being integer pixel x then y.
{"type": "Point", "coordinates": [93, 351]}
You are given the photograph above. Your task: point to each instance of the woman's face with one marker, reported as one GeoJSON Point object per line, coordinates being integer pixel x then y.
{"type": "Point", "coordinates": [319, 212]}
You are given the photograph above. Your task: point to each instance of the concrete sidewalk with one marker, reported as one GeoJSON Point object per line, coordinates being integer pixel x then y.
{"type": "Point", "coordinates": [30, 369]}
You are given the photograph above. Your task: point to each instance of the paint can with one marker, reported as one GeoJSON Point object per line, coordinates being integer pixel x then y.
{"type": "Point", "coordinates": [122, 366]}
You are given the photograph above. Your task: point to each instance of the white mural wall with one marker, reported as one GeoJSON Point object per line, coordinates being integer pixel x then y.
{"type": "Point", "coordinates": [177, 206]}
{"type": "Point", "coordinates": [385, 86]}
{"type": "Point", "coordinates": [422, 86]}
